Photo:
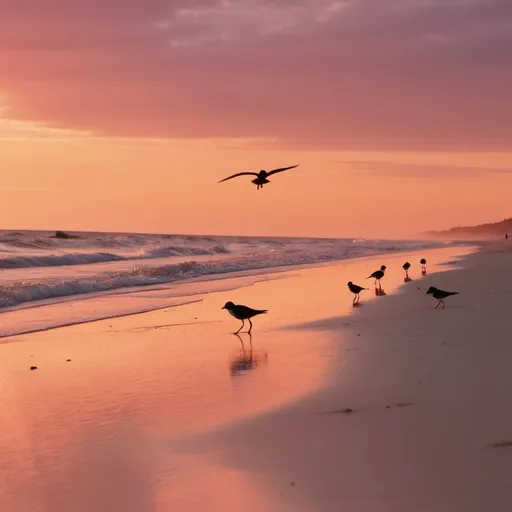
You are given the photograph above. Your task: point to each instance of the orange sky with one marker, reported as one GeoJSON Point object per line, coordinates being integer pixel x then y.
{"type": "Point", "coordinates": [123, 115]}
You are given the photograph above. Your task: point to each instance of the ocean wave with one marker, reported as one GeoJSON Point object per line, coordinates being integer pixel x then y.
{"type": "Point", "coordinates": [177, 250]}
{"type": "Point", "coordinates": [27, 291]}
{"type": "Point", "coordinates": [85, 258]}
{"type": "Point", "coordinates": [54, 260]}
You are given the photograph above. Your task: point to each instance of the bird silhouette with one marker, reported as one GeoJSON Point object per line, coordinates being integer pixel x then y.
{"type": "Point", "coordinates": [406, 266]}
{"type": "Point", "coordinates": [261, 177]}
{"type": "Point", "coordinates": [356, 290]}
{"type": "Point", "coordinates": [439, 295]}
{"type": "Point", "coordinates": [243, 313]}
{"type": "Point", "coordinates": [378, 275]}
{"type": "Point", "coordinates": [423, 263]}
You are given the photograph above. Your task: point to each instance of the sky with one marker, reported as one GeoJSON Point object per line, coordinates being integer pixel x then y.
{"type": "Point", "coordinates": [124, 114]}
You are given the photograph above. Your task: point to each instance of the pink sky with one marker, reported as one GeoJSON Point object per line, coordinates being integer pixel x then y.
{"type": "Point", "coordinates": [109, 105]}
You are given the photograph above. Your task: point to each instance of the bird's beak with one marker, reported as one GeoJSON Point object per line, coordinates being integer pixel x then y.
{"type": "Point", "coordinates": [223, 307]}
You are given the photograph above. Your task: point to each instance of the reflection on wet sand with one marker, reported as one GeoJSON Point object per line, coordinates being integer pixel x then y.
{"type": "Point", "coordinates": [246, 360]}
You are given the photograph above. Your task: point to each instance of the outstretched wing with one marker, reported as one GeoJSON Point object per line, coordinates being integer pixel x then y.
{"type": "Point", "coordinates": [282, 169]}
{"type": "Point", "coordinates": [239, 174]}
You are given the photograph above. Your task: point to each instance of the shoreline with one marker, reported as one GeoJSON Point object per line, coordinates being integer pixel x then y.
{"type": "Point", "coordinates": [199, 286]}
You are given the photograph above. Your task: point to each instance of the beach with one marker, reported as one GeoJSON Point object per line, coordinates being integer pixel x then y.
{"type": "Point", "coordinates": [391, 406]}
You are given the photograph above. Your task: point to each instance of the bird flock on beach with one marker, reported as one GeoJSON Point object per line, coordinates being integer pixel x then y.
{"type": "Point", "coordinates": [243, 313]}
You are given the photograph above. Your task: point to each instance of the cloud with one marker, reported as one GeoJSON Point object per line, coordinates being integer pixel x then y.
{"type": "Point", "coordinates": [235, 21]}
{"type": "Point", "coordinates": [355, 74]}
{"type": "Point", "coordinates": [412, 170]}
{"type": "Point", "coordinates": [23, 130]}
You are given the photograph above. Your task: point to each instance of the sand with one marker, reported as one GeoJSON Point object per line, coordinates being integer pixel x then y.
{"type": "Point", "coordinates": [168, 411]}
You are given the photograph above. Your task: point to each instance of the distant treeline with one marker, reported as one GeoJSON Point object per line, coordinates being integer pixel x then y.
{"type": "Point", "coordinates": [481, 232]}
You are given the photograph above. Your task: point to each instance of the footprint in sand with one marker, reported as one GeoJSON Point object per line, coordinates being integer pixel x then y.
{"type": "Point", "coordinates": [347, 410]}
{"type": "Point", "coordinates": [503, 444]}
{"type": "Point", "coordinates": [401, 404]}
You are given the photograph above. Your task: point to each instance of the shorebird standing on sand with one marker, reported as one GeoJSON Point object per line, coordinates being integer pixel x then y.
{"type": "Point", "coordinates": [378, 275]}
{"type": "Point", "coordinates": [242, 313]}
{"type": "Point", "coordinates": [439, 295]}
{"type": "Point", "coordinates": [406, 266]}
{"type": "Point", "coordinates": [423, 263]}
{"type": "Point", "coordinates": [261, 177]}
{"type": "Point", "coordinates": [356, 290]}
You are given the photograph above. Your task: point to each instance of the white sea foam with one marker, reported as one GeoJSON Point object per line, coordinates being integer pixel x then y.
{"type": "Point", "coordinates": [34, 266]}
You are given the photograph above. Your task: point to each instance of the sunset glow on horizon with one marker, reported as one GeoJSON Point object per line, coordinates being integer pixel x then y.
{"type": "Point", "coordinates": [123, 115]}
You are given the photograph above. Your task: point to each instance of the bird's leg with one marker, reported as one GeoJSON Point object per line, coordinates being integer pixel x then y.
{"type": "Point", "coordinates": [438, 304]}
{"type": "Point", "coordinates": [442, 302]}
{"type": "Point", "coordinates": [250, 328]}
{"type": "Point", "coordinates": [357, 297]}
{"type": "Point", "coordinates": [354, 299]}
{"type": "Point", "coordinates": [243, 323]}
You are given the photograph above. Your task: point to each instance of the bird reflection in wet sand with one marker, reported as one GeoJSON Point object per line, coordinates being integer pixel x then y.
{"type": "Point", "coordinates": [261, 177]}
{"type": "Point", "coordinates": [246, 360]}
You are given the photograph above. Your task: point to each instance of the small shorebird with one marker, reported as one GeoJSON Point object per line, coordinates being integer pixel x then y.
{"type": "Point", "coordinates": [423, 263]}
{"type": "Point", "coordinates": [378, 275]}
{"type": "Point", "coordinates": [242, 313]}
{"type": "Point", "coordinates": [356, 290]}
{"type": "Point", "coordinates": [406, 266]}
{"type": "Point", "coordinates": [261, 177]}
{"type": "Point", "coordinates": [439, 295]}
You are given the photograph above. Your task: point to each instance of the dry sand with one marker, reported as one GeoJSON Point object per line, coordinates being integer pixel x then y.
{"type": "Point", "coordinates": [166, 412]}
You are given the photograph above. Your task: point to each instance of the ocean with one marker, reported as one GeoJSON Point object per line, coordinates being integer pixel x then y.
{"type": "Point", "coordinates": [39, 271]}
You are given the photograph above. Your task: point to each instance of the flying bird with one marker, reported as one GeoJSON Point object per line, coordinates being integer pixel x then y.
{"type": "Point", "coordinates": [439, 295]}
{"type": "Point", "coordinates": [356, 290]}
{"type": "Point", "coordinates": [378, 274]}
{"type": "Point", "coordinates": [423, 263]}
{"type": "Point", "coordinates": [406, 266]}
{"type": "Point", "coordinates": [243, 313]}
{"type": "Point", "coordinates": [261, 177]}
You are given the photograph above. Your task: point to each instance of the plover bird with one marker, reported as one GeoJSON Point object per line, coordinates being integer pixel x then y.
{"type": "Point", "coordinates": [243, 313]}
{"type": "Point", "coordinates": [423, 263]}
{"type": "Point", "coordinates": [439, 295]}
{"type": "Point", "coordinates": [378, 275]}
{"type": "Point", "coordinates": [261, 177]}
{"type": "Point", "coordinates": [406, 266]}
{"type": "Point", "coordinates": [356, 290]}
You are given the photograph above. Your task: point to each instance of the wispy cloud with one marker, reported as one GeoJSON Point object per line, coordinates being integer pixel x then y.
{"type": "Point", "coordinates": [231, 22]}
{"type": "Point", "coordinates": [425, 171]}
{"type": "Point", "coordinates": [11, 129]}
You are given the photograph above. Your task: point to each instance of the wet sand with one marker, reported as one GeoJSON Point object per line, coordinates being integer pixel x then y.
{"type": "Point", "coordinates": [169, 411]}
